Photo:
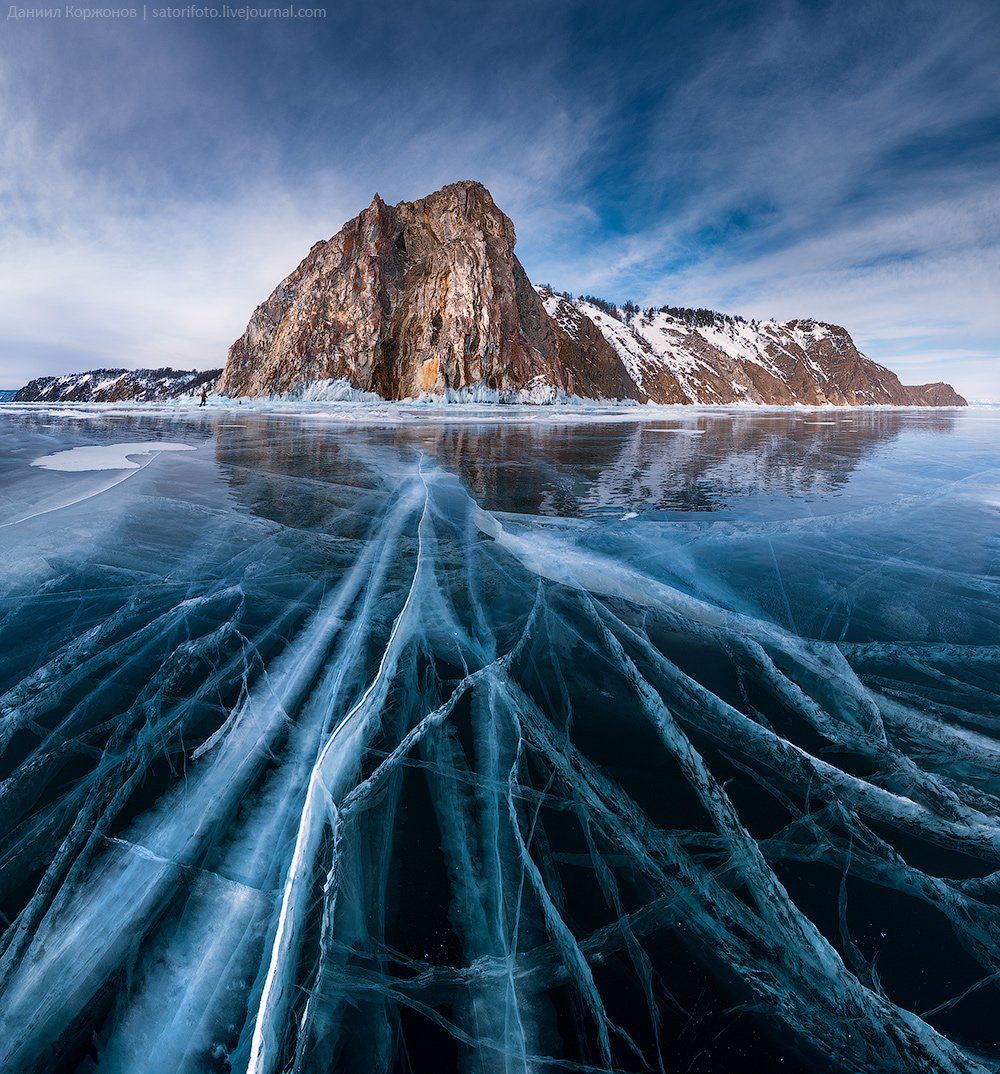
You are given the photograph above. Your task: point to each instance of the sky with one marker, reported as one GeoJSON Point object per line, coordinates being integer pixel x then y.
{"type": "Point", "coordinates": [776, 159]}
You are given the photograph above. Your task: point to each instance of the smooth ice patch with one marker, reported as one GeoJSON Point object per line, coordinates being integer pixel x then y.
{"type": "Point", "coordinates": [105, 456]}
{"type": "Point", "coordinates": [682, 432]}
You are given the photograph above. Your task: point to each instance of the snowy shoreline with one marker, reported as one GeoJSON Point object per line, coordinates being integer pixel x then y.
{"type": "Point", "coordinates": [374, 409]}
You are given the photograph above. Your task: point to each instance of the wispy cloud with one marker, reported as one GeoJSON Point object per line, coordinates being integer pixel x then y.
{"type": "Point", "coordinates": [791, 159]}
{"type": "Point", "coordinates": [813, 166]}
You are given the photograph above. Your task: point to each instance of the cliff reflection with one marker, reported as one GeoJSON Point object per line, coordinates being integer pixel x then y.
{"type": "Point", "coordinates": [708, 463]}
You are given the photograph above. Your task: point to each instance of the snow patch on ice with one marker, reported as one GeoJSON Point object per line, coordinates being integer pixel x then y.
{"type": "Point", "coordinates": [105, 456]}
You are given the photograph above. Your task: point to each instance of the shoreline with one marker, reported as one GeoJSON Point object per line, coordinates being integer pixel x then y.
{"type": "Point", "coordinates": [389, 412]}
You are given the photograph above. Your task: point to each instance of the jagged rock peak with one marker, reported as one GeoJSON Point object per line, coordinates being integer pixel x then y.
{"type": "Point", "coordinates": [422, 296]}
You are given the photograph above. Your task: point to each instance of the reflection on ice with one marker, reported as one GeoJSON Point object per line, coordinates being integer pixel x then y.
{"type": "Point", "coordinates": [392, 749]}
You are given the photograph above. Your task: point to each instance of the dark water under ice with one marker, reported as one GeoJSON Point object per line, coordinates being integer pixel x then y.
{"type": "Point", "coordinates": [530, 746]}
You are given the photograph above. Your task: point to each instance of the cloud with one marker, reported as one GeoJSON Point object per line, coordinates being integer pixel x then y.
{"type": "Point", "coordinates": [810, 172]}
{"type": "Point", "coordinates": [156, 182]}
{"type": "Point", "coordinates": [116, 266]}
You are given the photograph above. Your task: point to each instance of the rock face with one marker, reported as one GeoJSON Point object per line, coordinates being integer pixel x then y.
{"type": "Point", "coordinates": [698, 356]}
{"type": "Point", "coordinates": [936, 394]}
{"type": "Point", "coordinates": [428, 297]}
{"type": "Point", "coordinates": [117, 385]}
{"type": "Point", "coordinates": [420, 297]}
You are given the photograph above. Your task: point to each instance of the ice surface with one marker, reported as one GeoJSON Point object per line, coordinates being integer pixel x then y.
{"type": "Point", "coordinates": [355, 742]}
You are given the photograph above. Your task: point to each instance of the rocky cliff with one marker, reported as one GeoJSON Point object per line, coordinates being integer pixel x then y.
{"type": "Point", "coordinates": [421, 297]}
{"type": "Point", "coordinates": [698, 356]}
{"type": "Point", "coordinates": [936, 394]}
{"type": "Point", "coordinates": [428, 297]}
{"type": "Point", "coordinates": [117, 385]}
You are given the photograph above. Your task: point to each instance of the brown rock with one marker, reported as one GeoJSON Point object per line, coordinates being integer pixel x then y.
{"type": "Point", "coordinates": [936, 394]}
{"type": "Point", "coordinates": [715, 358]}
{"type": "Point", "coordinates": [424, 296]}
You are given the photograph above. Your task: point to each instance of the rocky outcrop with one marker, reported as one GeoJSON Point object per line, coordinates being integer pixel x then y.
{"type": "Point", "coordinates": [428, 297]}
{"type": "Point", "coordinates": [936, 394]}
{"type": "Point", "coordinates": [117, 385]}
{"type": "Point", "coordinates": [420, 297]}
{"type": "Point", "coordinates": [698, 356]}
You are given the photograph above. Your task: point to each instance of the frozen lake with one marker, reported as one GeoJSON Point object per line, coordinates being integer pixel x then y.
{"type": "Point", "coordinates": [622, 744]}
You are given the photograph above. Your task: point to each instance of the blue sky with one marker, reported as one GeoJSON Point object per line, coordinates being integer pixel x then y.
{"type": "Point", "coordinates": [777, 159]}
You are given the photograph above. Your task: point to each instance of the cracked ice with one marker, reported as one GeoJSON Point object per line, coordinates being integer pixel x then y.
{"type": "Point", "coordinates": [501, 747]}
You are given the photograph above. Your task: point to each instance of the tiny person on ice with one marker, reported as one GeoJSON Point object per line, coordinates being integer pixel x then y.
{"type": "Point", "coordinates": [204, 398]}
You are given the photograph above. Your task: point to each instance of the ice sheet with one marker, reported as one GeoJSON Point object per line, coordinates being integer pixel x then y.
{"type": "Point", "coordinates": [501, 745]}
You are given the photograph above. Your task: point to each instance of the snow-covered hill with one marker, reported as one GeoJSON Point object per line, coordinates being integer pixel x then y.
{"type": "Point", "coordinates": [115, 385]}
{"type": "Point", "coordinates": [697, 356]}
